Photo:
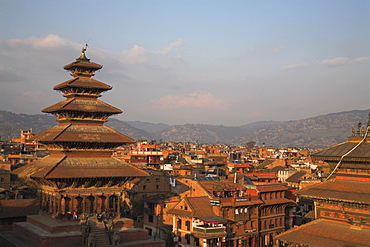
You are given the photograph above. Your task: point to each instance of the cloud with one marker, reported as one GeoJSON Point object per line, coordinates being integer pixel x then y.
{"type": "Point", "coordinates": [335, 61]}
{"type": "Point", "coordinates": [139, 55]}
{"type": "Point", "coordinates": [49, 42]}
{"type": "Point", "coordinates": [294, 66]}
{"type": "Point", "coordinates": [196, 99]}
{"type": "Point", "coordinates": [342, 61]}
{"type": "Point", "coordinates": [170, 47]}
{"type": "Point", "coordinates": [278, 49]}
{"type": "Point", "coordinates": [330, 62]}
{"type": "Point", "coordinates": [360, 59]}
{"type": "Point", "coordinates": [135, 55]}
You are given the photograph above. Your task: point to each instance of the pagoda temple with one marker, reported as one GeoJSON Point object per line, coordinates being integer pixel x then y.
{"type": "Point", "coordinates": [342, 202]}
{"type": "Point", "coordinates": [80, 176]}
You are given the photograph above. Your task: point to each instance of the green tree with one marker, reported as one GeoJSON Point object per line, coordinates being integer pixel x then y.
{"type": "Point", "coordinates": [169, 239]}
{"type": "Point", "coordinates": [250, 144]}
{"type": "Point", "coordinates": [137, 208]}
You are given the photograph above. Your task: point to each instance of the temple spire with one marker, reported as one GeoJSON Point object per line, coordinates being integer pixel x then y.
{"type": "Point", "coordinates": [83, 57]}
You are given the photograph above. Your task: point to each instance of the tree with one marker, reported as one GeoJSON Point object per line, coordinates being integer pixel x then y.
{"type": "Point", "coordinates": [169, 239]}
{"type": "Point", "coordinates": [10, 132]}
{"type": "Point", "coordinates": [250, 144]}
{"type": "Point", "coordinates": [137, 208]}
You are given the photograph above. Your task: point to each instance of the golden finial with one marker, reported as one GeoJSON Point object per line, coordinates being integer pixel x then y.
{"type": "Point", "coordinates": [83, 56]}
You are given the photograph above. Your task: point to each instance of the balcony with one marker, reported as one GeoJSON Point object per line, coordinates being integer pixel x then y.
{"type": "Point", "coordinates": [157, 153]}
{"type": "Point", "coordinates": [209, 232]}
{"type": "Point", "coordinates": [237, 217]}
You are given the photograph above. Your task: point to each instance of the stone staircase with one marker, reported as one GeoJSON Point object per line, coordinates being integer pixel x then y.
{"type": "Point", "coordinates": [101, 235]}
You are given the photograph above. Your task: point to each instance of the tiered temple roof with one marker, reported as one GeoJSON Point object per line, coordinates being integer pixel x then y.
{"type": "Point", "coordinates": [80, 161]}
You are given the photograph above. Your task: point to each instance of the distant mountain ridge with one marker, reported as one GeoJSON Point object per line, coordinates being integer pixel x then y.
{"type": "Point", "coordinates": [315, 132]}
{"type": "Point", "coordinates": [150, 127]}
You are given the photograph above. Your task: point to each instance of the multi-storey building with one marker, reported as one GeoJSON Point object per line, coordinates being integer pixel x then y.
{"type": "Point", "coordinates": [274, 212]}
{"type": "Point", "coordinates": [247, 215]}
{"type": "Point", "coordinates": [196, 224]}
{"type": "Point", "coordinates": [147, 155]}
{"type": "Point", "coordinates": [136, 190]}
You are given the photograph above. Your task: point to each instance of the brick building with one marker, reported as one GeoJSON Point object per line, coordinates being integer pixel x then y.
{"type": "Point", "coordinates": [231, 214]}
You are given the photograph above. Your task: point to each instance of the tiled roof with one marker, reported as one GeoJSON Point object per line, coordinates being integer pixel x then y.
{"type": "Point", "coordinates": [52, 167]}
{"type": "Point", "coordinates": [270, 187]}
{"type": "Point", "coordinates": [338, 189]}
{"type": "Point", "coordinates": [199, 207]}
{"type": "Point", "coordinates": [240, 203]}
{"type": "Point", "coordinates": [221, 185]}
{"type": "Point", "coordinates": [83, 65]}
{"type": "Point", "coordinates": [267, 162]}
{"type": "Point", "coordinates": [277, 201]}
{"type": "Point", "coordinates": [82, 133]}
{"type": "Point", "coordinates": [213, 219]}
{"type": "Point", "coordinates": [362, 152]}
{"type": "Point", "coordinates": [277, 168]}
{"type": "Point", "coordinates": [180, 212]}
{"type": "Point", "coordinates": [83, 83]}
{"type": "Point", "coordinates": [296, 177]}
{"type": "Point", "coordinates": [82, 105]}
{"type": "Point", "coordinates": [326, 233]}
{"type": "Point", "coordinates": [18, 207]}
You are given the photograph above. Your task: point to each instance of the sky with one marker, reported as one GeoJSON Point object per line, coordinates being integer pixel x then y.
{"type": "Point", "coordinates": [176, 62]}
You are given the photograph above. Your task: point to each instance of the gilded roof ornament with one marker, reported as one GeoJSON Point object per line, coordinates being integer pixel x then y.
{"type": "Point", "coordinates": [83, 57]}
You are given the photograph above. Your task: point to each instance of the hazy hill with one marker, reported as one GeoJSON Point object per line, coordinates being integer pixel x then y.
{"type": "Point", "coordinates": [316, 132]}
{"type": "Point", "coordinates": [150, 127]}
{"type": "Point", "coordinates": [11, 124]}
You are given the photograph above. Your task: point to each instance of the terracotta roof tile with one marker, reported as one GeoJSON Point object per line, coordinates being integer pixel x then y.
{"type": "Point", "coordinates": [277, 201]}
{"type": "Point", "coordinates": [79, 167]}
{"type": "Point", "coordinates": [180, 212]}
{"type": "Point", "coordinates": [199, 207]}
{"type": "Point", "coordinates": [83, 65]}
{"type": "Point", "coordinates": [221, 185]}
{"type": "Point", "coordinates": [82, 105]}
{"type": "Point", "coordinates": [296, 177]}
{"type": "Point", "coordinates": [270, 187]}
{"type": "Point", "coordinates": [325, 233]}
{"type": "Point", "coordinates": [337, 189]}
{"type": "Point", "coordinates": [84, 133]}
{"type": "Point", "coordinates": [83, 83]}
{"type": "Point", "coordinates": [337, 151]}
{"type": "Point", "coordinates": [18, 207]}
